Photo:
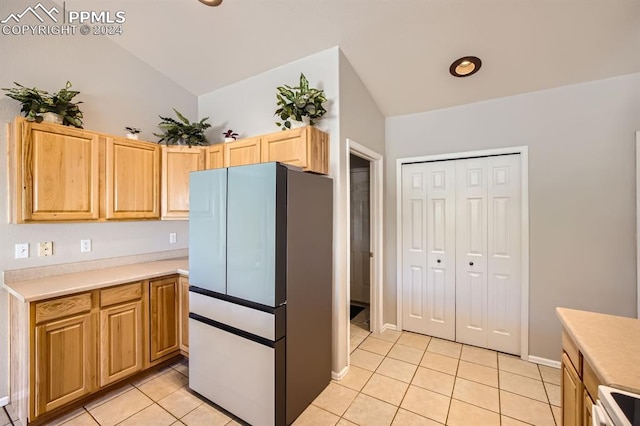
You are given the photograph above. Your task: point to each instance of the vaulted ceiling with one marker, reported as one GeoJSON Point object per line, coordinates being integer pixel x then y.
{"type": "Point", "coordinates": [401, 49]}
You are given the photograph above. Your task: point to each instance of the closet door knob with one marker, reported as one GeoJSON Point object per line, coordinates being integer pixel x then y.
{"type": "Point", "coordinates": [470, 263]}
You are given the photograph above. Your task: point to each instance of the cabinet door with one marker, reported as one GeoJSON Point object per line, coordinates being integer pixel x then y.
{"type": "Point", "coordinates": [64, 362]}
{"type": "Point", "coordinates": [177, 163]}
{"type": "Point", "coordinates": [163, 309]}
{"type": "Point", "coordinates": [184, 314]}
{"type": "Point", "coordinates": [239, 153]}
{"type": "Point", "coordinates": [120, 342]}
{"type": "Point", "coordinates": [214, 156]}
{"type": "Point", "coordinates": [305, 147]}
{"type": "Point", "coordinates": [587, 407]}
{"type": "Point", "coordinates": [571, 394]}
{"type": "Point", "coordinates": [287, 147]}
{"type": "Point", "coordinates": [132, 179]}
{"type": "Point", "coordinates": [58, 173]}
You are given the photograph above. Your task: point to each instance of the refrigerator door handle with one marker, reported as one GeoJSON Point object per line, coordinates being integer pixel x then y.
{"type": "Point", "coordinates": [232, 330]}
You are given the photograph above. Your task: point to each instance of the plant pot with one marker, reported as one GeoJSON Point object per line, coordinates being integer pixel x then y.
{"type": "Point", "coordinates": [133, 136]}
{"type": "Point", "coordinates": [229, 139]}
{"type": "Point", "coordinates": [51, 117]}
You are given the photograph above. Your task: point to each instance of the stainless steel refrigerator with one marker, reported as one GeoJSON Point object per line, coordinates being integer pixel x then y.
{"type": "Point", "coordinates": [260, 274]}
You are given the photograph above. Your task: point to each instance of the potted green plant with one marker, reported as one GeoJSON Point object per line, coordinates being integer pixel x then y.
{"type": "Point", "coordinates": [182, 131]}
{"type": "Point", "coordinates": [38, 105]}
{"type": "Point", "coordinates": [298, 102]}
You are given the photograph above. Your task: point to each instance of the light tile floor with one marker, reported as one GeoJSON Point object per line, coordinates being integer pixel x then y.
{"type": "Point", "coordinates": [162, 398]}
{"type": "Point", "coordinates": [402, 378]}
{"type": "Point", "coordinates": [396, 378]}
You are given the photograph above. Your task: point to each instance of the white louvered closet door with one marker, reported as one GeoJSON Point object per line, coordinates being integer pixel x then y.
{"type": "Point", "coordinates": [428, 248]}
{"type": "Point", "coordinates": [469, 220]}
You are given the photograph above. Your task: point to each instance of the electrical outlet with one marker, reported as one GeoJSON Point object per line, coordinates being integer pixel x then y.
{"type": "Point", "coordinates": [172, 238]}
{"type": "Point", "coordinates": [45, 248]}
{"type": "Point", "coordinates": [22, 251]}
{"type": "Point", "coordinates": [85, 246]}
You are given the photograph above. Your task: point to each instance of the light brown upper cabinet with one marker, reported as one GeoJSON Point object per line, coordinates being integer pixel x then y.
{"type": "Point", "coordinates": [214, 156]}
{"type": "Point", "coordinates": [242, 152]}
{"type": "Point", "coordinates": [132, 179]}
{"type": "Point", "coordinates": [66, 174]}
{"type": "Point", "coordinates": [306, 147]}
{"type": "Point", "coordinates": [56, 169]}
{"type": "Point", "coordinates": [177, 163]}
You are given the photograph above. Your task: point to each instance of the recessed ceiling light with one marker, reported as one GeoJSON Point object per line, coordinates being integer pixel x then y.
{"type": "Point", "coordinates": [211, 2]}
{"type": "Point", "coordinates": [464, 67]}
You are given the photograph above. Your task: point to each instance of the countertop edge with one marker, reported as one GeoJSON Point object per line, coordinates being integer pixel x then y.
{"type": "Point", "coordinates": [23, 290]}
{"type": "Point", "coordinates": [569, 329]}
{"type": "Point", "coordinates": [600, 371]}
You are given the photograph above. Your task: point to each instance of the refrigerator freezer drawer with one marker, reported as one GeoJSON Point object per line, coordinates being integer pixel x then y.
{"type": "Point", "coordinates": [244, 377]}
{"type": "Point", "coordinates": [269, 325]}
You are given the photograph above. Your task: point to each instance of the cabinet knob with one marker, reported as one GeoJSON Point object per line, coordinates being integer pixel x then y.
{"type": "Point", "coordinates": [470, 263]}
{"type": "Point", "coordinates": [438, 261]}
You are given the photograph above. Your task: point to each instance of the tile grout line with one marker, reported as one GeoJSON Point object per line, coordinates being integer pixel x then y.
{"type": "Point", "coordinates": [4, 407]}
{"type": "Point", "coordinates": [90, 415]}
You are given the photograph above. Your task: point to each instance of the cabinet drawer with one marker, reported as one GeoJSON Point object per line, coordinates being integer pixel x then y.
{"type": "Point", "coordinates": [120, 294]}
{"type": "Point", "coordinates": [63, 307]}
{"type": "Point", "coordinates": [572, 352]}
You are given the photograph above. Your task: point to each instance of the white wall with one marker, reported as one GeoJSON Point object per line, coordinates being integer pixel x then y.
{"type": "Point", "coordinates": [360, 118]}
{"type": "Point", "coordinates": [581, 191]}
{"type": "Point", "coordinates": [118, 90]}
{"type": "Point", "coordinates": [248, 106]}
{"type": "Point", "coordinates": [360, 121]}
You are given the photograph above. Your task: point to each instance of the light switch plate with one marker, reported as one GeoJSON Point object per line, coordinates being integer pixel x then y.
{"type": "Point", "coordinates": [172, 238]}
{"type": "Point", "coordinates": [45, 248]}
{"type": "Point", "coordinates": [22, 251]}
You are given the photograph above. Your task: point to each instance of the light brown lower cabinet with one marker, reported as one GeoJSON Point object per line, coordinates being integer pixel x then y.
{"type": "Point", "coordinates": [579, 385]}
{"type": "Point", "coordinates": [120, 342]}
{"type": "Point", "coordinates": [572, 389]}
{"type": "Point", "coordinates": [587, 407]}
{"type": "Point", "coordinates": [184, 315]}
{"type": "Point", "coordinates": [64, 366]}
{"type": "Point", "coordinates": [83, 343]}
{"type": "Point", "coordinates": [163, 306]}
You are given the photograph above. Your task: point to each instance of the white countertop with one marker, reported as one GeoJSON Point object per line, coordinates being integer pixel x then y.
{"type": "Point", "coordinates": [610, 344]}
{"type": "Point", "coordinates": [61, 285]}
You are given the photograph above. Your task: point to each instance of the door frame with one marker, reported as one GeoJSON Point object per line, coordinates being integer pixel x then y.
{"type": "Point", "coordinates": [638, 221]}
{"type": "Point", "coordinates": [376, 185]}
{"type": "Point", "coordinates": [523, 151]}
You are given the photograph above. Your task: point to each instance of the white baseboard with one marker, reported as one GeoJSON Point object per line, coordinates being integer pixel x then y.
{"type": "Point", "coordinates": [340, 375]}
{"type": "Point", "coordinates": [544, 361]}
{"type": "Point", "coordinates": [4, 401]}
{"type": "Point", "coordinates": [387, 326]}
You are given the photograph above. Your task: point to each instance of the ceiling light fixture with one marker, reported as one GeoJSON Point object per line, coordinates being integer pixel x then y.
{"type": "Point", "coordinates": [464, 67]}
{"type": "Point", "coordinates": [211, 2]}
